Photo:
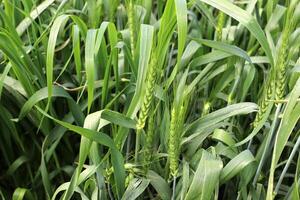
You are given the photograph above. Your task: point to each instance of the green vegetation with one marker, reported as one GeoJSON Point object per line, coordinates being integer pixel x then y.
{"type": "Point", "coordinates": [149, 99]}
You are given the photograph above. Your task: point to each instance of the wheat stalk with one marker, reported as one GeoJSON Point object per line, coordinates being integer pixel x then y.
{"type": "Point", "coordinates": [150, 84]}
{"type": "Point", "coordinates": [283, 54]}
{"type": "Point", "coordinates": [176, 124]}
{"type": "Point", "coordinates": [264, 102]}
{"type": "Point", "coordinates": [220, 24]}
{"type": "Point", "coordinates": [173, 143]}
{"type": "Point", "coordinates": [149, 142]}
{"type": "Point", "coordinates": [131, 24]}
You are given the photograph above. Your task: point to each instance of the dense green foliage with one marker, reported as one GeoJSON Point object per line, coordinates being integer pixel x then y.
{"type": "Point", "coordinates": [149, 99]}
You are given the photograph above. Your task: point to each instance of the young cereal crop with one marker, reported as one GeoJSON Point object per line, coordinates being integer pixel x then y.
{"type": "Point", "coordinates": [150, 99]}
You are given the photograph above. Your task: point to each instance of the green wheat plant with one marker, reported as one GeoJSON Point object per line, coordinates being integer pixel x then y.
{"type": "Point", "coordinates": [149, 99]}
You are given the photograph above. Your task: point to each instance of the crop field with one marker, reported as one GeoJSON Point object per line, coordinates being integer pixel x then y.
{"type": "Point", "coordinates": [150, 99]}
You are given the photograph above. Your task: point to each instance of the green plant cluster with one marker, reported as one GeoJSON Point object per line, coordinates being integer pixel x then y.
{"type": "Point", "coordinates": [149, 99]}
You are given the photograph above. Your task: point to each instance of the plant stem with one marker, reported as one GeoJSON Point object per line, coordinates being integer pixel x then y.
{"type": "Point", "coordinates": [267, 145]}
{"type": "Point", "coordinates": [174, 188]}
{"type": "Point", "coordinates": [137, 145]}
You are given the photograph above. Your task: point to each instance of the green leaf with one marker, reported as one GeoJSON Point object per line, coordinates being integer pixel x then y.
{"type": "Point", "coordinates": [90, 63]}
{"type": "Point", "coordinates": [101, 138]}
{"type": "Point", "coordinates": [223, 136]}
{"type": "Point", "coordinates": [20, 193]}
{"type": "Point", "coordinates": [199, 125]}
{"type": "Point", "coordinates": [135, 188]}
{"type": "Point", "coordinates": [206, 178]}
{"type": "Point", "coordinates": [16, 164]}
{"type": "Point", "coordinates": [57, 24]}
{"type": "Point", "coordinates": [211, 57]}
{"type": "Point", "coordinates": [146, 42]}
{"type": "Point", "coordinates": [181, 14]}
{"type": "Point", "coordinates": [160, 185]}
{"type": "Point", "coordinates": [245, 19]}
{"type": "Point", "coordinates": [88, 172]}
{"type": "Point", "coordinates": [76, 48]}
{"type": "Point", "coordinates": [289, 120]}
{"type": "Point", "coordinates": [236, 165]}
{"type": "Point", "coordinates": [231, 49]}
{"type": "Point", "coordinates": [185, 179]}
{"type": "Point", "coordinates": [40, 95]}
{"type": "Point", "coordinates": [25, 23]}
